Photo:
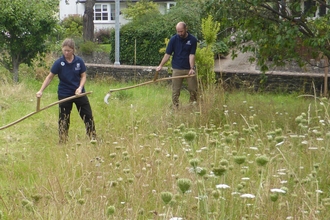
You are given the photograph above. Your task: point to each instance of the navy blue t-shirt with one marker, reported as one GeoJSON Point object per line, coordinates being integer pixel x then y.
{"type": "Point", "coordinates": [181, 49]}
{"type": "Point", "coordinates": [69, 75]}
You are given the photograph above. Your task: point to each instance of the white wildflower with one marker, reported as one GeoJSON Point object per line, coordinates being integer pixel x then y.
{"type": "Point", "coordinates": [278, 191]}
{"type": "Point", "coordinates": [222, 186]}
{"type": "Point", "coordinates": [247, 195]}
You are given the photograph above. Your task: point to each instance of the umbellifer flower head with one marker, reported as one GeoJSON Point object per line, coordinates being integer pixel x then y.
{"type": "Point", "coordinates": [166, 197]}
{"type": "Point", "coordinates": [184, 185]}
{"type": "Point", "coordinates": [262, 160]}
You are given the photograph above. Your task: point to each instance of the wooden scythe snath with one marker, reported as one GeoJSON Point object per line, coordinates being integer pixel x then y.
{"type": "Point", "coordinates": [106, 97]}
{"type": "Point", "coordinates": [326, 70]}
{"type": "Point", "coordinates": [38, 109]}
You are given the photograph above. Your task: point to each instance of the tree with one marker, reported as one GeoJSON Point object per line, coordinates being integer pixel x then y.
{"type": "Point", "coordinates": [139, 9]}
{"type": "Point", "coordinates": [205, 56]}
{"type": "Point", "coordinates": [88, 21]}
{"type": "Point", "coordinates": [24, 29]}
{"type": "Point", "coordinates": [279, 31]}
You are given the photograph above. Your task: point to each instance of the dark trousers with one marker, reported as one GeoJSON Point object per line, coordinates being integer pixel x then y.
{"type": "Point", "coordinates": [85, 112]}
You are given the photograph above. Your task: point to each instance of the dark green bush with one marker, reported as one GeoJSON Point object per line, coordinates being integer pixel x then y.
{"type": "Point", "coordinates": [102, 36]}
{"type": "Point", "coordinates": [220, 48]}
{"type": "Point", "coordinates": [146, 35]}
{"type": "Point", "coordinates": [146, 40]}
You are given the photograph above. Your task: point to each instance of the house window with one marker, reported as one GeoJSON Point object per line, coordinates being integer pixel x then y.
{"type": "Point", "coordinates": [320, 8]}
{"type": "Point", "coordinates": [104, 12]}
{"type": "Point", "coordinates": [169, 5]}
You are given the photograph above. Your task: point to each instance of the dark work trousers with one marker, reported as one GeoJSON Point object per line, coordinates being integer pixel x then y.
{"type": "Point", "coordinates": [85, 112]}
{"type": "Point", "coordinates": [177, 83]}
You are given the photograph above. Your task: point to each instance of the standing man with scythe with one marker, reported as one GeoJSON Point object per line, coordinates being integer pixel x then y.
{"type": "Point", "coordinates": [183, 46]}
{"type": "Point", "coordinates": [71, 71]}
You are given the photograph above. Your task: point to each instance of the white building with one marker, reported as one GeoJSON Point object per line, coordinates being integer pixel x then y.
{"type": "Point", "coordinates": [104, 10]}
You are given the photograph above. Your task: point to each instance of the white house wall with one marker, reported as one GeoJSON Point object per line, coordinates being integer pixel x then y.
{"type": "Point", "coordinates": [70, 7]}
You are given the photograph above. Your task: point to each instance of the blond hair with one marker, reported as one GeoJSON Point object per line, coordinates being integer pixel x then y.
{"type": "Point", "coordinates": [69, 42]}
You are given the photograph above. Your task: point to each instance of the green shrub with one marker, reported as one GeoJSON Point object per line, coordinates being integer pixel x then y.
{"type": "Point", "coordinates": [88, 47]}
{"type": "Point", "coordinates": [142, 39]}
{"type": "Point", "coordinates": [73, 26]}
{"type": "Point", "coordinates": [138, 46]}
{"type": "Point", "coordinates": [102, 36]}
{"type": "Point", "coordinates": [220, 48]}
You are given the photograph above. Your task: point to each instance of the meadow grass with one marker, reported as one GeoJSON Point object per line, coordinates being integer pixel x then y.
{"type": "Point", "coordinates": [234, 155]}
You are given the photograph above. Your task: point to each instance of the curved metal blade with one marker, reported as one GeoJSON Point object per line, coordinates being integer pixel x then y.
{"type": "Point", "coordinates": [106, 97]}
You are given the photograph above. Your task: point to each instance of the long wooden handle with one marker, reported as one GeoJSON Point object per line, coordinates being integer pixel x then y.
{"type": "Point", "coordinates": [38, 104]}
{"type": "Point", "coordinates": [44, 108]}
{"type": "Point", "coordinates": [152, 81]}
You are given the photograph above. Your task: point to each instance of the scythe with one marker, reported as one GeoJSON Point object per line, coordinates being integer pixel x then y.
{"type": "Point", "coordinates": [107, 96]}
{"type": "Point", "coordinates": [38, 109]}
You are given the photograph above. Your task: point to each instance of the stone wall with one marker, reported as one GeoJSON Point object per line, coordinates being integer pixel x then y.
{"type": "Point", "coordinates": [124, 73]}
{"type": "Point", "coordinates": [275, 81]}
{"type": "Point", "coordinates": [96, 57]}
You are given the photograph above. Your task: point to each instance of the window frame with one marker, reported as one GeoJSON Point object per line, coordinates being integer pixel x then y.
{"type": "Point", "coordinates": [110, 12]}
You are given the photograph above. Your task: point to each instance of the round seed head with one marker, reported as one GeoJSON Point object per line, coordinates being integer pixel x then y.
{"type": "Point", "coordinates": [166, 197]}
{"type": "Point", "coordinates": [184, 185]}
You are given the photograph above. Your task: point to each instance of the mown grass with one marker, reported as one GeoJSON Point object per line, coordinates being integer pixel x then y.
{"type": "Point", "coordinates": [233, 156]}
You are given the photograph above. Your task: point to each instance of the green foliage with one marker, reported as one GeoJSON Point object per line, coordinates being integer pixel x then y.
{"type": "Point", "coordinates": [210, 29]}
{"type": "Point", "coordinates": [141, 39]}
{"type": "Point", "coordinates": [105, 47]}
{"type": "Point", "coordinates": [139, 9]}
{"type": "Point", "coordinates": [188, 11]}
{"type": "Point", "coordinates": [73, 26]}
{"type": "Point", "coordinates": [168, 63]}
{"type": "Point", "coordinates": [205, 56]}
{"type": "Point", "coordinates": [205, 65]}
{"type": "Point", "coordinates": [88, 47]}
{"type": "Point", "coordinates": [136, 39]}
{"type": "Point", "coordinates": [103, 36]}
{"type": "Point", "coordinates": [276, 33]}
{"type": "Point", "coordinates": [220, 48]}
{"type": "Point", "coordinates": [24, 28]}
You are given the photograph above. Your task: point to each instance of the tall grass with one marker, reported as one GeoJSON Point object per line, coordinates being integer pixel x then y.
{"type": "Point", "coordinates": [232, 156]}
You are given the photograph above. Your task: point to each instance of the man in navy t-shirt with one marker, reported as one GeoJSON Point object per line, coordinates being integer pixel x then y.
{"type": "Point", "coordinates": [71, 71]}
{"type": "Point", "coordinates": [183, 48]}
